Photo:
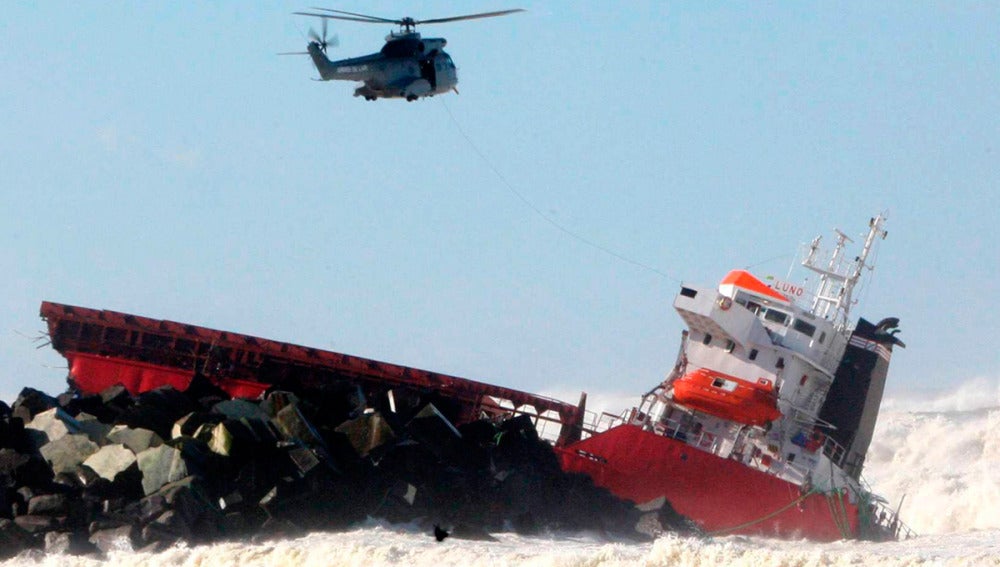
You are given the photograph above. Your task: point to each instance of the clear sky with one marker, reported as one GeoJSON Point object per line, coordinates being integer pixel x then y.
{"type": "Point", "coordinates": [159, 159]}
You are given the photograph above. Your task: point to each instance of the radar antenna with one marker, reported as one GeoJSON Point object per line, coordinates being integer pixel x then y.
{"type": "Point", "coordinates": [834, 294]}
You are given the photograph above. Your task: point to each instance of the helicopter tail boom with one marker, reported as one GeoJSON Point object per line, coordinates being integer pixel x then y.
{"type": "Point", "coordinates": [353, 69]}
{"type": "Point", "coordinates": [322, 63]}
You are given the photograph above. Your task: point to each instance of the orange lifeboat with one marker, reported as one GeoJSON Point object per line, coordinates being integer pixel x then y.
{"type": "Point", "coordinates": [728, 397]}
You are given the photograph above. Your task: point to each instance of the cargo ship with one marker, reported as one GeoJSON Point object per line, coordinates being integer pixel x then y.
{"type": "Point", "coordinates": [760, 428]}
{"type": "Point", "coordinates": [763, 424]}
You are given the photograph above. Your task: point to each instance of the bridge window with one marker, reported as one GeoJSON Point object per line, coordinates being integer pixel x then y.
{"type": "Point", "coordinates": [688, 292]}
{"type": "Point", "coordinates": [753, 354]}
{"type": "Point", "coordinates": [707, 340]}
{"type": "Point", "coordinates": [776, 316]}
{"type": "Point", "coordinates": [804, 328]}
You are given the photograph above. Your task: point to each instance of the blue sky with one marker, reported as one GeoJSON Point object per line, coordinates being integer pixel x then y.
{"type": "Point", "coordinates": [160, 159]}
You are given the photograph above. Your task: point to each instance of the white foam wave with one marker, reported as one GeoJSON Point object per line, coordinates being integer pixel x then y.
{"type": "Point", "coordinates": [385, 545]}
{"type": "Point", "coordinates": [946, 463]}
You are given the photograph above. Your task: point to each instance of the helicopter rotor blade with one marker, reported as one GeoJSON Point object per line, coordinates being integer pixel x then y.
{"type": "Point", "coordinates": [469, 16]}
{"type": "Point", "coordinates": [406, 22]}
{"type": "Point", "coordinates": [294, 53]}
{"type": "Point", "coordinates": [349, 19]}
{"type": "Point", "coordinates": [372, 18]}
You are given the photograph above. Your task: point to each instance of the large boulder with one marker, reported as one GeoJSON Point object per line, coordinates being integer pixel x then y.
{"type": "Point", "coordinates": [136, 439]}
{"type": "Point", "coordinates": [305, 459]}
{"type": "Point", "coordinates": [168, 528]}
{"type": "Point", "coordinates": [159, 466]}
{"type": "Point", "coordinates": [51, 425]}
{"type": "Point", "coordinates": [194, 423]}
{"type": "Point", "coordinates": [121, 538]}
{"type": "Point", "coordinates": [13, 539]}
{"type": "Point", "coordinates": [117, 396]}
{"type": "Point", "coordinates": [240, 439]}
{"type": "Point", "coordinates": [94, 428]}
{"type": "Point", "coordinates": [190, 511]}
{"type": "Point", "coordinates": [278, 400]}
{"type": "Point", "coordinates": [240, 409]}
{"type": "Point", "coordinates": [366, 432]}
{"type": "Point", "coordinates": [294, 426]}
{"type": "Point", "coordinates": [158, 410]}
{"type": "Point", "coordinates": [13, 435]}
{"type": "Point", "coordinates": [111, 460]}
{"type": "Point", "coordinates": [31, 402]}
{"type": "Point", "coordinates": [49, 505]}
{"type": "Point", "coordinates": [437, 433]}
{"type": "Point", "coordinates": [24, 469]}
{"type": "Point", "coordinates": [36, 523]}
{"type": "Point", "coordinates": [68, 452]}
{"type": "Point", "coordinates": [92, 404]}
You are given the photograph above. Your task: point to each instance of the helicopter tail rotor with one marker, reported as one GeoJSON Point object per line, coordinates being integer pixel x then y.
{"type": "Point", "coordinates": [323, 41]}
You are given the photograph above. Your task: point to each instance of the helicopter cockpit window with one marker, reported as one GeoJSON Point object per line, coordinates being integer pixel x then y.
{"type": "Point", "coordinates": [401, 48]}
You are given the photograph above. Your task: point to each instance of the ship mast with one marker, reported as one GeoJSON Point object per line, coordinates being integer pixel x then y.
{"type": "Point", "coordinates": [833, 298]}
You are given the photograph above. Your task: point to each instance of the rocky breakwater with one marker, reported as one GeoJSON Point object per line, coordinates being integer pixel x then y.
{"type": "Point", "coordinates": [85, 474]}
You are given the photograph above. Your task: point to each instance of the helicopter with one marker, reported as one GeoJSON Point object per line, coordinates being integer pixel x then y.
{"type": "Point", "coordinates": [408, 66]}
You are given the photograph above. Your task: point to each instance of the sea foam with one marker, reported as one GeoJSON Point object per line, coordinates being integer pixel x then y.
{"type": "Point", "coordinates": [943, 455]}
{"type": "Point", "coordinates": [376, 544]}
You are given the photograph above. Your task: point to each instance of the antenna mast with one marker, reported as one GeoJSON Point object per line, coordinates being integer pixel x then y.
{"type": "Point", "coordinates": [833, 299]}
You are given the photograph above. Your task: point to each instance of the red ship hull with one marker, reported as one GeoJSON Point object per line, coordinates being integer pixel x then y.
{"type": "Point", "coordinates": [722, 496]}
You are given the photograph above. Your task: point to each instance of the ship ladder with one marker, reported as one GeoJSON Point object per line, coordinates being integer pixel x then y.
{"type": "Point", "coordinates": [762, 518]}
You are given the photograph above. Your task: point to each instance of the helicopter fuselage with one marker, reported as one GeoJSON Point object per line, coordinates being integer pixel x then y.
{"type": "Point", "coordinates": [407, 67]}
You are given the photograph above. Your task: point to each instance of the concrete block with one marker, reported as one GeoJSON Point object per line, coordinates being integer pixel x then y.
{"type": "Point", "coordinates": [159, 466]}
{"type": "Point", "coordinates": [110, 460]}
{"type": "Point", "coordinates": [68, 452]}
{"type": "Point", "coordinates": [136, 439]}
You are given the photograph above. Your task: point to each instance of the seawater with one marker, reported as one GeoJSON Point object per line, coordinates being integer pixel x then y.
{"type": "Point", "coordinates": [942, 453]}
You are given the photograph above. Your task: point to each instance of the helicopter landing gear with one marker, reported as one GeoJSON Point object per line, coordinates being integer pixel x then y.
{"type": "Point", "coordinates": [411, 98]}
{"type": "Point", "coordinates": [370, 98]}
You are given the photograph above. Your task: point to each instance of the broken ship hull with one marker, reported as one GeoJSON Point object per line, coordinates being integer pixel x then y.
{"type": "Point", "coordinates": [722, 496]}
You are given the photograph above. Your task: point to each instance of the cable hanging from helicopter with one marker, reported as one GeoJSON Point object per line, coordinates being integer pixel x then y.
{"type": "Point", "coordinates": [408, 66]}
{"type": "Point", "coordinates": [411, 67]}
